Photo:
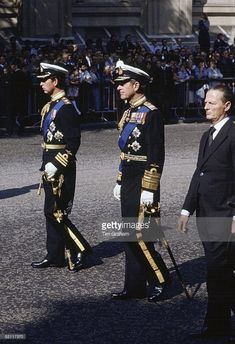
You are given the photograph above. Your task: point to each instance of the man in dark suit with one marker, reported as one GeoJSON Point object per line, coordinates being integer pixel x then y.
{"type": "Point", "coordinates": [18, 86]}
{"type": "Point", "coordinates": [164, 86]}
{"type": "Point", "coordinates": [141, 143]}
{"type": "Point", "coordinates": [211, 188]}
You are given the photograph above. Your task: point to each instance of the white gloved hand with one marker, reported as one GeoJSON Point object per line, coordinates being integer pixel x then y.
{"type": "Point", "coordinates": [50, 170]}
{"type": "Point", "coordinates": [117, 192]}
{"type": "Point", "coordinates": [146, 197]}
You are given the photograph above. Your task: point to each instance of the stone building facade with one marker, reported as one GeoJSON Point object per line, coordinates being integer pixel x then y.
{"type": "Point", "coordinates": [37, 18]}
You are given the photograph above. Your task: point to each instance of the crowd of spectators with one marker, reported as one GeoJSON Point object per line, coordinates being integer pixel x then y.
{"type": "Point", "coordinates": [168, 61]}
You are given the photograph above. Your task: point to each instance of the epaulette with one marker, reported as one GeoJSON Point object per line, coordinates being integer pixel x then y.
{"type": "Point", "coordinates": [66, 100]}
{"type": "Point", "coordinates": [150, 105]}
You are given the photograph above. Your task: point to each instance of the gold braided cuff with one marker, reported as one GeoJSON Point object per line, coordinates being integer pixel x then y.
{"type": "Point", "coordinates": [151, 179]}
{"type": "Point", "coordinates": [62, 159]}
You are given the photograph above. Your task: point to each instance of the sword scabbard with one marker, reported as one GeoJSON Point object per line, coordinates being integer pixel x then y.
{"type": "Point", "coordinates": [40, 185]}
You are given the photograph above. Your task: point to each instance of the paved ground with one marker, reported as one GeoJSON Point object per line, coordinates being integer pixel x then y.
{"type": "Point", "coordinates": [54, 306]}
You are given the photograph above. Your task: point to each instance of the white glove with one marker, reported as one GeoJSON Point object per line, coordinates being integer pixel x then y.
{"type": "Point", "coordinates": [117, 192]}
{"type": "Point", "coordinates": [146, 197]}
{"type": "Point", "coordinates": [50, 170]}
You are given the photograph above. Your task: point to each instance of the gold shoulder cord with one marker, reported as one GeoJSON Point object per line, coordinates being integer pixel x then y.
{"type": "Point", "coordinates": [46, 107]}
{"type": "Point", "coordinates": [44, 110]}
{"type": "Point", "coordinates": [123, 119]}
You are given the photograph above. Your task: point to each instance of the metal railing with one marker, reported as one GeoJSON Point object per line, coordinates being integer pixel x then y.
{"type": "Point", "coordinates": [102, 103]}
{"type": "Point", "coordinates": [190, 96]}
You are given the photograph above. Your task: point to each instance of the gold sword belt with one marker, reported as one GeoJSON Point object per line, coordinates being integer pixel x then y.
{"type": "Point", "coordinates": [132, 157]}
{"type": "Point", "coordinates": [47, 146]}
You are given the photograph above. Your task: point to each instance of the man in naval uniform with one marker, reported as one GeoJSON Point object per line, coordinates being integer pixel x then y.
{"type": "Point", "coordinates": [141, 143]}
{"type": "Point", "coordinates": [61, 134]}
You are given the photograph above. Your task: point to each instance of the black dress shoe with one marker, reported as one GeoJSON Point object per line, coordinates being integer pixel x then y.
{"type": "Point", "coordinates": [79, 263]}
{"type": "Point", "coordinates": [157, 293]}
{"type": "Point", "coordinates": [124, 295]}
{"type": "Point", "coordinates": [45, 263]}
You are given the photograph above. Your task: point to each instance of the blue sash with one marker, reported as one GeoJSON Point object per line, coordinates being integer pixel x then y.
{"type": "Point", "coordinates": [125, 134]}
{"type": "Point", "coordinates": [120, 167]}
{"type": "Point", "coordinates": [49, 118]}
{"type": "Point", "coordinates": [129, 128]}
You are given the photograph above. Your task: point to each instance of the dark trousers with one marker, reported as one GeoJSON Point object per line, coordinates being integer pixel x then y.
{"type": "Point", "coordinates": [58, 237]}
{"type": "Point", "coordinates": [138, 270]}
{"type": "Point", "coordinates": [220, 286]}
{"type": "Point", "coordinates": [215, 233]}
{"type": "Point", "coordinates": [139, 273]}
{"type": "Point", "coordinates": [55, 242]}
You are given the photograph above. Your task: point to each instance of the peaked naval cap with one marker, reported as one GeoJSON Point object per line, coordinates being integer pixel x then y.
{"type": "Point", "coordinates": [125, 72]}
{"type": "Point", "coordinates": [48, 70]}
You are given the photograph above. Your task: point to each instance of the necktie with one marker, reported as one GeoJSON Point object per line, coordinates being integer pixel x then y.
{"type": "Point", "coordinates": [210, 137]}
{"type": "Point", "coordinates": [209, 140]}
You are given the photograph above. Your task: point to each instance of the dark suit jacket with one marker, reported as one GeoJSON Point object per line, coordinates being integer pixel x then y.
{"type": "Point", "coordinates": [214, 177]}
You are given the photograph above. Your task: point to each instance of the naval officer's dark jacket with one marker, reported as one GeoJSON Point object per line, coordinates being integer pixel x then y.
{"type": "Point", "coordinates": [141, 143]}
{"type": "Point", "coordinates": [61, 128]}
{"type": "Point", "coordinates": [61, 136]}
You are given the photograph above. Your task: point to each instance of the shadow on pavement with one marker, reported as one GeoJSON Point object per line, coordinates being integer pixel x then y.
{"type": "Point", "coordinates": [8, 193]}
{"type": "Point", "coordinates": [102, 321]}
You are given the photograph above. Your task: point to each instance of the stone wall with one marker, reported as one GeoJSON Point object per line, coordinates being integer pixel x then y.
{"type": "Point", "coordinates": [9, 14]}
{"type": "Point", "coordinates": [44, 18]}
{"type": "Point", "coordinates": [221, 14]}
{"type": "Point", "coordinates": [168, 17]}
{"type": "Point", "coordinates": [155, 17]}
